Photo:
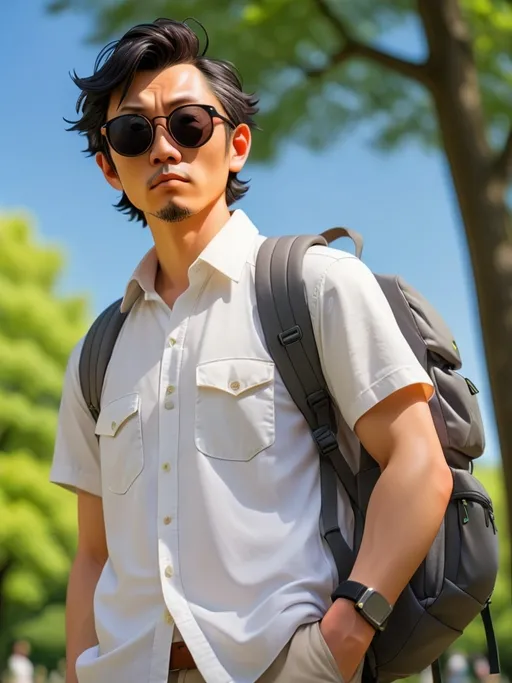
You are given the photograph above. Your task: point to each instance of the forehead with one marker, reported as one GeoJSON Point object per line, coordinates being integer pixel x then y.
{"type": "Point", "coordinates": [159, 90]}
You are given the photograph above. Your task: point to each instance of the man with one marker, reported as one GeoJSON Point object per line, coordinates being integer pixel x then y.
{"type": "Point", "coordinates": [199, 552]}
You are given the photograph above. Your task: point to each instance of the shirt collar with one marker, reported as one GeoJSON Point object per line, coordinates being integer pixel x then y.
{"type": "Point", "coordinates": [227, 252]}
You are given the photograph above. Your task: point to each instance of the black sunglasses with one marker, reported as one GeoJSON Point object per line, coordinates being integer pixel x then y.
{"type": "Point", "coordinates": [190, 125]}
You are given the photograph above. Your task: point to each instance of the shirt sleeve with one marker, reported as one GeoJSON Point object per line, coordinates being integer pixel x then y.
{"type": "Point", "coordinates": [364, 356]}
{"type": "Point", "coordinates": [76, 460]}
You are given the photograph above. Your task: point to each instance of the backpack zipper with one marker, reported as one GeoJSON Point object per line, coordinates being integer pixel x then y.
{"type": "Point", "coordinates": [492, 520]}
{"type": "Point", "coordinates": [475, 496]}
{"type": "Point", "coordinates": [464, 503]}
{"type": "Point", "coordinates": [463, 497]}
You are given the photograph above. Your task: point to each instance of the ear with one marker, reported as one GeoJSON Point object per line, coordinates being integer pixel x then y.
{"type": "Point", "coordinates": [240, 148]}
{"type": "Point", "coordinates": [109, 171]}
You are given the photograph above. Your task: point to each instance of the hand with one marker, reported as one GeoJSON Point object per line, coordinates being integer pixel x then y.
{"type": "Point", "coordinates": [348, 636]}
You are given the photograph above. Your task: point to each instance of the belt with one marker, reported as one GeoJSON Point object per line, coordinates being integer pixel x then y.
{"type": "Point", "coordinates": [181, 657]}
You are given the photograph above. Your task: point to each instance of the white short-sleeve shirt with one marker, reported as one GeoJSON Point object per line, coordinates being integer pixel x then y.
{"type": "Point", "coordinates": [207, 470]}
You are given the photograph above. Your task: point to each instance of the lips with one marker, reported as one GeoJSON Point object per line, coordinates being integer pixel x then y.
{"type": "Point", "coordinates": [166, 177]}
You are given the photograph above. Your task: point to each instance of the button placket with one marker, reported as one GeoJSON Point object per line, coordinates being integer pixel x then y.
{"type": "Point", "coordinates": [168, 403]}
{"type": "Point", "coordinates": [169, 440]}
{"type": "Point", "coordinates": [168, 447]}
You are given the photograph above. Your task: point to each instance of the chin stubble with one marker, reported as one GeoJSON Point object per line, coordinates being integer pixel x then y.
{"type": "Point", "coordinates": [173, 214]}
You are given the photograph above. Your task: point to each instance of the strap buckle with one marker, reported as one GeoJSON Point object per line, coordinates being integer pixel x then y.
{"type": "Point", "coordinates": [332, 530]}
{"type": "Point", "coordinates": [325, 440]}
{"type": "Point", "coordinates": [319, 401]}
{"type": "Point", "coordinates": [290, 336]}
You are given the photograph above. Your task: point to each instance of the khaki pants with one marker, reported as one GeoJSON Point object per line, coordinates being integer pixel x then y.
{"type": "Point", "coordinates": [306, 659]}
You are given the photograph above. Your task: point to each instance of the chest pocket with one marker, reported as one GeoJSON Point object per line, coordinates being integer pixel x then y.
{"type": "Point", "coordinates": [234, 408]}
{"type": "Point", "coordinates": [120, 431]}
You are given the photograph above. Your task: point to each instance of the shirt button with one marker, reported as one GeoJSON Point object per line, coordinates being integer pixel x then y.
{"type": "Point", "coordinates": [170, 390]}
{"type": "Point", "coordinates": [169, 405]}
{"type": "Point", "coordinates": [167, 520]}
{"type": "Point", "coordinates": [172, 341]}
{"type": "Point", "coordinates": [166, 467]}
{"type": "Point", "coordinates": [113, 426]}
{"type": "Point", "coordinates": [168, 618]}
{"type": "Point", "coordinates": [235, 386]}
{"type": "Point", "coordinates": [168, 571]}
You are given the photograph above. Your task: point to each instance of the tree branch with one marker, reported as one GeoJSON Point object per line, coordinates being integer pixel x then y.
{"type": "Point", "coordinates": [503, 164]}
{"type": "Point", "coordinates": [333, 18]}
{"type": "Point", "coordinates": [416, 72]}
{"type": "Point", "coordinates": [342, 56]}
{"type": "Point", "coordinates": [354, 48]}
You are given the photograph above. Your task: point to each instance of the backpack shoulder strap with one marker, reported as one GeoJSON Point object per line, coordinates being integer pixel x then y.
{"type": "Point", "coordinates": [287, 328]}
{"type": "Point", "coordinates": [96, 352]}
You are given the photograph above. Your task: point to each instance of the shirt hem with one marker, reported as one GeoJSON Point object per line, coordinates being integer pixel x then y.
{"type": "Point", "coordinates": [71, 480]}
{"type": "Point", "coordinates": [397, 379]}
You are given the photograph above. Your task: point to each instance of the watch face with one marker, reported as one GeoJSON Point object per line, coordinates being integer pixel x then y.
{"type": "Point", "coordinates": [376, 607]}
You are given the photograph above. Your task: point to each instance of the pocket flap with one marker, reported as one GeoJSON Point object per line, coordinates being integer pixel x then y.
{"type": "Point", "coordinates": [234, 375]}
{"type": "Point", "coordinates": [115, 414]}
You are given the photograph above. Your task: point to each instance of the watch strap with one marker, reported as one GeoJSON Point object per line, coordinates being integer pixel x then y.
{"type": "Point", "coordinates": [349, 590]}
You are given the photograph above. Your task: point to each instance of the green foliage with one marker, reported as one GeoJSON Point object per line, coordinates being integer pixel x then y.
{"type": "Point", "coordinates": [46, 632]}
{"type": "Point", "coordinates": [275, 43]}
{"type": "Point", "coordinates": [38, 529]}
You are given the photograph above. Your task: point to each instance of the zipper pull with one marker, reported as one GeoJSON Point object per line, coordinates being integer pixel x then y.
{"type": "Point", "coordinates": [493, 522]}
{"type": "Point", "coordinates": [466, 511]}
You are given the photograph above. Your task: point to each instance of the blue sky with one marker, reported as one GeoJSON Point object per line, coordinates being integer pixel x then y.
{"type": "Point", "coordinates": [402, 203]}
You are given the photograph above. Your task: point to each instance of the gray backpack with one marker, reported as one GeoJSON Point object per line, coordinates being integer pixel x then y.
{"type": "Point", "coordinates": [455, 582]}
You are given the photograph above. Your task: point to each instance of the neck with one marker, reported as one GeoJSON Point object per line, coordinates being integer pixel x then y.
{"type": "Point", "coordinates": [179, 244]}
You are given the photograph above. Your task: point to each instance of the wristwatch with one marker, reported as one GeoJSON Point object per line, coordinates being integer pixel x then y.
{"type": "Point", "coordinates": [371, 605]}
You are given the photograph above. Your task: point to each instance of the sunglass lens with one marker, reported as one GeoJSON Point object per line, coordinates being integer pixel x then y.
{"type": "Point", "coordinates": [191, 126]}
{"type": "Point", "coordinates": [130, 135]}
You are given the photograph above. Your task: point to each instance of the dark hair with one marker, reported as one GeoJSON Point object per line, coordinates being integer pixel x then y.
{"type": "Point", "coordinates": [152, 47]}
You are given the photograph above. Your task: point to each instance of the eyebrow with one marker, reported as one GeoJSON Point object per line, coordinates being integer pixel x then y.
{"type": "Point", "coordinates": [171, 104]}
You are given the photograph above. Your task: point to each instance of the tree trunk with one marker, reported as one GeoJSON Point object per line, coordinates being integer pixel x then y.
{"type": "Point", "coordinates": [3, 573]}
{"type": "Point", "coordinates": [480, 184]}
{"type": "Point", "coordinates": [3, 644]}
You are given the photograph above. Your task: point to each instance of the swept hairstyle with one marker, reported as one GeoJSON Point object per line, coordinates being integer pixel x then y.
{"type": "Point", "coordinates": [153, 47]}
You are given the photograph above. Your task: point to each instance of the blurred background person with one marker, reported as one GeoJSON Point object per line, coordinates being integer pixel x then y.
{"type": "Point", "coordinates": [19, 667]}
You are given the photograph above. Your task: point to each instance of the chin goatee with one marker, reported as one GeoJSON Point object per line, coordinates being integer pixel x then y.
{"type": "Point", "coordinates": [173, 214]}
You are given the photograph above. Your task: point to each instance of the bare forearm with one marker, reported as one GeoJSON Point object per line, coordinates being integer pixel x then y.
{"type": "Point", "coordinates": [80, 630]}
{"type": "Point", "coordinates": [403, 517]}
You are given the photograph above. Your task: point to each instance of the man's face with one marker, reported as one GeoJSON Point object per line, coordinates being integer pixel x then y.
{"type": "Point", "coordinates": [204, 170]}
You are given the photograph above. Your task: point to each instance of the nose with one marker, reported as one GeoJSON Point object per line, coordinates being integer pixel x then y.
{"type": "Point", "coordinates": [164, 148]}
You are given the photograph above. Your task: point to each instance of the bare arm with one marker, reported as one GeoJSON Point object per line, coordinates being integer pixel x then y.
{"type": "Point", "coordinates": [404, 514]}
{"type": "Point", "coordinates": [89, 561]}
{"type": "Point", "coordinates": [411, 496]}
